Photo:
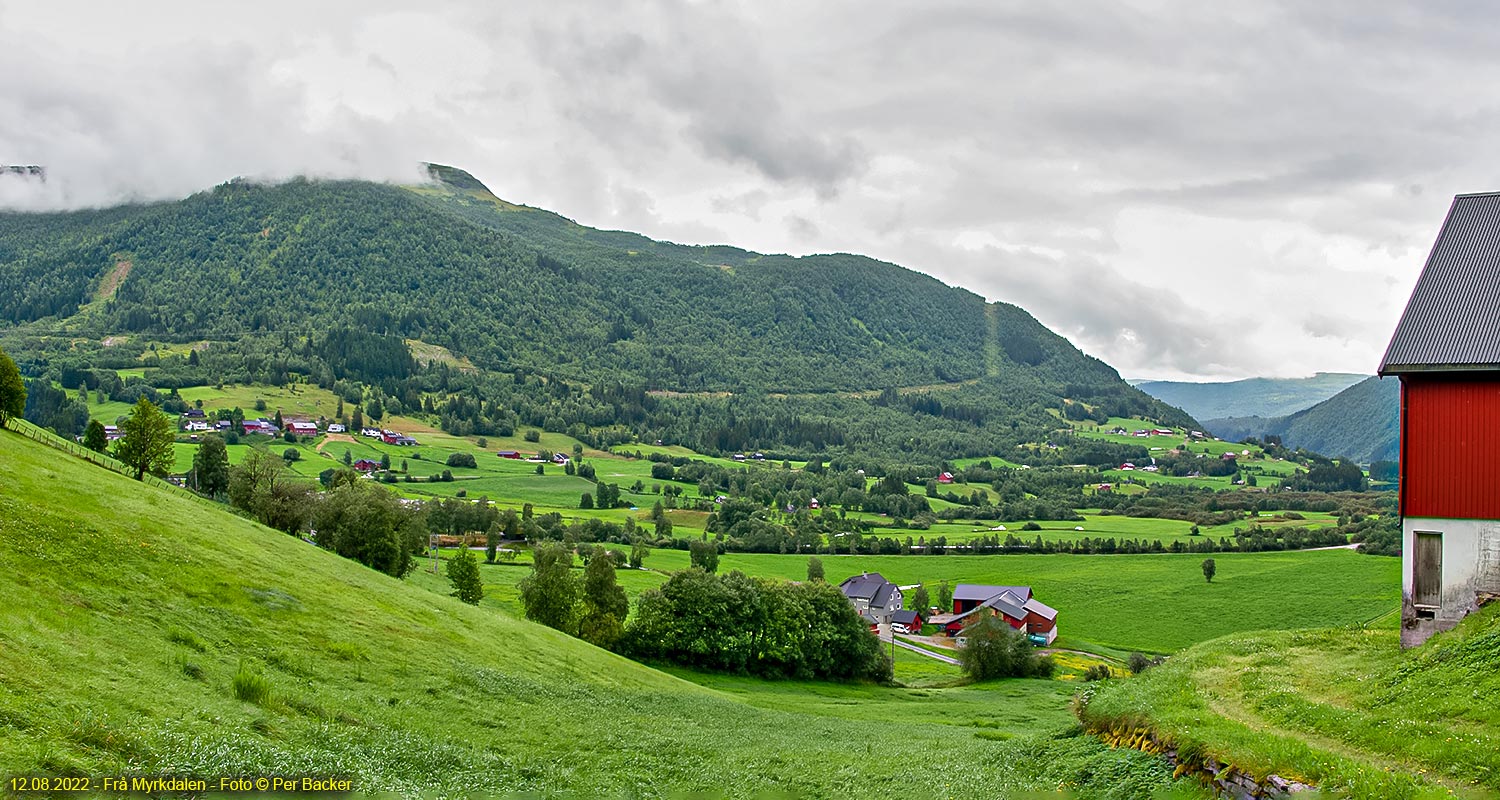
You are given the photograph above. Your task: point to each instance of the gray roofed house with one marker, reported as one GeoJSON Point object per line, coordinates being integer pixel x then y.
{"type": "Point", "coordinates": [1452, 320]}
{"type": "Point", "coordinates": [911, 620]}
{"type": "Point", "coordinates": [871, 593]}
{"type": "Point", "coordinates": [1446, 352]}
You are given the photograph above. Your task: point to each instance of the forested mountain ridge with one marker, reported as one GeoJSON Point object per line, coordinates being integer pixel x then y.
{"type": "Point", "coordinates": [328, 278]}
{"type": "Point", "coordinates": [1361, 422]}
{"type": "Point", "coordinates": [1251, 397]}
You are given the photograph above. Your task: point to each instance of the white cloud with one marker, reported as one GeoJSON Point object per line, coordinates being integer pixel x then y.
{"type": "Point", "coordinates": [1183, 189]}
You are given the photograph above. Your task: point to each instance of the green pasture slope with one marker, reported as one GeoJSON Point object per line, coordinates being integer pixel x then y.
{"type": "Point", "coordinates": [1343, 708]}
{"type": "Point", "coordinates": [132, 613]}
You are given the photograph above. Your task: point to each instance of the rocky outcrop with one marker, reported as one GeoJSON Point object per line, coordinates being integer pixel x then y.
{"type": "Point", "coordinates": [1227, 780]}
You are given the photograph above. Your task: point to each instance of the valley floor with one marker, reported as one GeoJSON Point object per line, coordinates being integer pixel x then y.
{"type": "Point", "coordinates": [147, 632]}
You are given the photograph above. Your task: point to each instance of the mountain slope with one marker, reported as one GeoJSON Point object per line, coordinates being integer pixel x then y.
{"type": "Point", "coordinates": [1361, 422]}
{"type": "Point", "coordinates": [1252, 397]}
{"type": "Point", "coordinates": [605, 333]}
{"type": "Point", "coordinates": [131, 612]}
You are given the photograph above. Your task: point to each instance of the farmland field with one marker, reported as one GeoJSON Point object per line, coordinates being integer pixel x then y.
{"type": "Point", "coordinates": [1154, 603]}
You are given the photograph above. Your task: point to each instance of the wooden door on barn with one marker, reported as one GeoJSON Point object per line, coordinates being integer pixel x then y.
{"type": "Point", "coordinates": [1427, 566]}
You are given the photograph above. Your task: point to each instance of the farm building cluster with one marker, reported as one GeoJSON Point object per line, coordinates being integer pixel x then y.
{"type": "Point", "coordinates": [879, 602]}
{"type": "Point", "coordinates": [195, 420]}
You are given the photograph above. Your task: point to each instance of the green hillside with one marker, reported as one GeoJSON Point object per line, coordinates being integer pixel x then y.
{"type": "Point", "coordinates": [1252, 397]}
{"type": "Point", "coordinates": [1360, 422]}
{"type": "Point", "coordinates": [494, 315]}
{"type": "Point", "coordinates": [145, 631]}
{"type": "Point", "coordinates": [1343, 708]}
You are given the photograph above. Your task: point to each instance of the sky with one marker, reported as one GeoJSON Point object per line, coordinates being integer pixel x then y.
{"type": "Point", "coordinates": [1185, 190]}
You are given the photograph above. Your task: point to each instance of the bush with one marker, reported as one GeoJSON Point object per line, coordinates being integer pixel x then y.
{"type": "Point", "coordinates": [1098, 672]}
{"type": "Point", "coordinates": [291, 454]}
{"type": "Point", "coordinates": [462, 460]}
{"type": "Point", "coordinates": [482, 443]}
{"type": "Point", "coordinates": [533, 435]}
{"type": "Point", "coordinates": [1031, 526]}
{"type": "Point", "coordinates": [993, 649]}
{"type": "Point", "coordinates": [251, 686]}
{"type": "Point", "coordinates": [1137, 663]}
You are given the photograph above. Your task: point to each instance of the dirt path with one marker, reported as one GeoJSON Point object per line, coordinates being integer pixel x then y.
{"type": "Point", "coordinates": [335, 437]}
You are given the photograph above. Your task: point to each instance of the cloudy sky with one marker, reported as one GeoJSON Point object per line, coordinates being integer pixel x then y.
{"type": "Point", "coordinates": [1183, 189]}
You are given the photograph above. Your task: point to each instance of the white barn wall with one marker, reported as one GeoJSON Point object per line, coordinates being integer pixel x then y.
{"type": "Point", "coordinates": [1471, 565]}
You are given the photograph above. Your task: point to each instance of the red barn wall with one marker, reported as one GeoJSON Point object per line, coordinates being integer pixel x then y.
{"type": "Point", "coordinates": [1450, 446]}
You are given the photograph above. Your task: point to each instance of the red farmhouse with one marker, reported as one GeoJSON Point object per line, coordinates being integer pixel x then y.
{"type": "Point", "coordinates": [1446, 350]}
{"type": "Point", "coordinates": [1014, 604]}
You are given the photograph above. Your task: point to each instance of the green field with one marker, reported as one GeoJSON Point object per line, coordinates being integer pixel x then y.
{"type": "Point", "coordinates": [1344, 708]}
{"type": "Point", "coordinates": [1119, 603]}
{"type": "Point", "coordinates": [131, 613]}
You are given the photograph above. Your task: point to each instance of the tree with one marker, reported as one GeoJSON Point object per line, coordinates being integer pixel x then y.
{"type": "Point", "coordinates": [385, 461]}
{"type": "Point", "coordinates": [365, 522]}
{"type": "Point", "coordinates": [491, 541]}
{"type": "Point", "coordinates": [12, 390]}
{"type": "Point", "coordinates": [638, 553]}
{"type": "Point", "coordinates": [462, 460]}
{"type": "Point", "coordinates": [94, 437]}
{"type": "Point", "coordinates": [815, 569]}
{"type": "Point", "coordinates": [944, 596]}
{"type": "Point", "coordinates": [1209, 569]}
{"type": "Point", "coordinates": [259, 485]}
{"type": "Point", "coordinates": [358, 423]}
{"type": "Point", "coordinates": [604, 603]}
{"type": "Point", "coordinates": [145, 443]}
{"type": "Point", "coordinates": [586, 500]}
{"type": "Point", "coordinates": [993, 649]}
{"type": "Point", "coordinates": [704, 555]}
{"type": "Point", "coordinates": [211, 467]}
{"type": "Point", "coordinates": [919, 599]}
{"type": "Point", "coordinates": [463, 575]}
{"type": "Point", "coordinates": [550, 593]}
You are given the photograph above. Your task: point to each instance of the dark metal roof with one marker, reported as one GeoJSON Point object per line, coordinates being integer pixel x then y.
{"type": "Point", "coordinates": [1452, 321]}
{"type": "Point", "coordinates": [979, 591]}
{"type": "Point", "coordinates": [865, 587]}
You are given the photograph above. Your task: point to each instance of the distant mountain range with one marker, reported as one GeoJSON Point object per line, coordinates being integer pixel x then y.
{"type": "Point", "coordinates": [1361, 422]}
{"type": "Point", "coordinates": [1252, 397]}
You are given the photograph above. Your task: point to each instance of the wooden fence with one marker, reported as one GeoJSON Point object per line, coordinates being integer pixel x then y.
{"type": "Point", "coordinates": [110, 463]}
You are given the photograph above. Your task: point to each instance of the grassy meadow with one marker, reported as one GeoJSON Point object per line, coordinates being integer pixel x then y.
{"type": "Point", "coordinates": [1344, 708]}
{"type": "Point", "coordinates": [146, 631]}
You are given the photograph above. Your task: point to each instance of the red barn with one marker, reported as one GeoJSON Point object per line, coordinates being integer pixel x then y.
{"type": "Point", "coordinates": [1446, 351]}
